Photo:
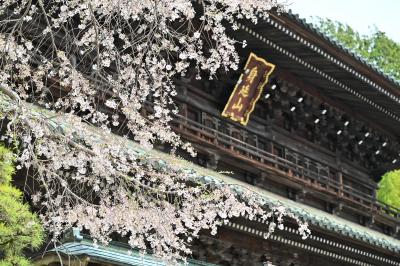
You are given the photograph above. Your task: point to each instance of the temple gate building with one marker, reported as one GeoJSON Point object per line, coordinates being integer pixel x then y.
{"type": "Point", "coordinates": [314, 130]}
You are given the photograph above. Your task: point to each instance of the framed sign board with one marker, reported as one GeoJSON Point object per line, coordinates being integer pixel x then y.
{"type": "Point", "coordinates": [248, 89]}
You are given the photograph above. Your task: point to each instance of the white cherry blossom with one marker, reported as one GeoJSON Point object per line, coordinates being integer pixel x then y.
{"type": "Point", "coordinates": [96, 66]}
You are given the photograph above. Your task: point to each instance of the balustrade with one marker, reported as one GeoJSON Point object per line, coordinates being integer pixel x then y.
{"type": "Point", "coordinates": [298, 167]}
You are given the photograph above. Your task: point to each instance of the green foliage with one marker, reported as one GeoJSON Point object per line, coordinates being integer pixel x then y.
{"type": "Point", "coordinates": [6, 165]}
{"type": "Point", "coordinates": [375, 48]}
{"type": "Point", "coordinates": [19, 228]}
{"type": "Point", "coordinates": [389, 189]}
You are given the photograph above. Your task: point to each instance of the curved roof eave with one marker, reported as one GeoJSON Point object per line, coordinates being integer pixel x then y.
{"type": "Point", "coordinates": [337, 44]}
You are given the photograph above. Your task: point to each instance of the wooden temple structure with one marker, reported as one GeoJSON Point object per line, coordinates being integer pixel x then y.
{"type": "Point", "coordinates": [313, 130]}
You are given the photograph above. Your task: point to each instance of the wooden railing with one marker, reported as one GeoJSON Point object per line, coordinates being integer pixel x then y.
{"type": "Point", "coordinates": [320, 180]}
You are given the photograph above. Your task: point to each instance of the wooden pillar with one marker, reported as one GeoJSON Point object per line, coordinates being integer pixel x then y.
{"type": "Point", "coordinates": [340, 176]}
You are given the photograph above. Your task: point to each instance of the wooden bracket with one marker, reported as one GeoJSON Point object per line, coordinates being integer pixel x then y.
{"type": "Point", "coordinates": [337, 209]}
{"type": "Point", "coordinates": [396, 232]}
{"type": "Point", "coordinates": [297, 195]}
{"type": "Point", "coordinates": [212, 161]}
{"type": "Point", "coordinates": [370, 222]}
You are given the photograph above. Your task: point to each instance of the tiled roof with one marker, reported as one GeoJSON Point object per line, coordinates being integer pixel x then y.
{"type": "Point", "coordinates": [312, 215]}
{"type": "Point", "coordinates": [310, 27]}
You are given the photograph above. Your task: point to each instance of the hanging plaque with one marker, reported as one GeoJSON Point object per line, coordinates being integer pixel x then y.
{"type": "Point", "coordinates": [248, 89]}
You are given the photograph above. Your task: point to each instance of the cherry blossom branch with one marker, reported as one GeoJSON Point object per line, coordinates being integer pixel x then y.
{"type": "Point", "coordinates": [96, 64]}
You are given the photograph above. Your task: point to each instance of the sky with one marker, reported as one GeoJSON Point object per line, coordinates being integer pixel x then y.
{"type": "Point", "coordinates": [359, 14]}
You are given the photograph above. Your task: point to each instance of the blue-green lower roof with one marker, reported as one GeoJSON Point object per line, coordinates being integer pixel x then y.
{"type": "Point", "coordinates": [115, 255]}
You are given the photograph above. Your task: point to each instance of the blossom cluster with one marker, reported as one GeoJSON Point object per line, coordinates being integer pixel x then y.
{"type": "Point", "coordinates": [119, 54]}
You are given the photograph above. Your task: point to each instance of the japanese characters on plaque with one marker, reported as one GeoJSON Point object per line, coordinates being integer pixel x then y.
{"type": "Point", "coordinates": [248, 89]}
